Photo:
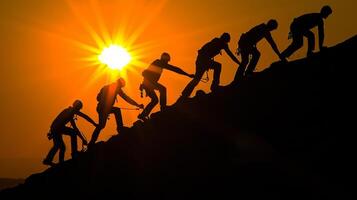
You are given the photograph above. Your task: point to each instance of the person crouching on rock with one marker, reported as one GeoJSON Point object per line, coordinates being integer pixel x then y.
{"type": "Point", "coordinates": [59, 128]}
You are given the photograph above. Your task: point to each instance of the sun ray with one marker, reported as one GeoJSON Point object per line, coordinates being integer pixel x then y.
{"type": "Point", "coordinates": [38, 27]}
{"type": "Point", "coordinates": [95, 36]}
{"type": "Point", "coordinates": [84, 46]}
{"type": "Point", "coordinates": [152, 14]}
{"type": "Point", "coordinates": [125, 33]}
{"type": "Point", "coordinates": [121, 30]}
{"type": "Point", "coordinates": [103, 28]}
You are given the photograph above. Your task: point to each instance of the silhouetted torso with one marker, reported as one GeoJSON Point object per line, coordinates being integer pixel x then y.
{"type": "Point", "coordinates": [154, 71]}
{"type": "Point", "coordinates": [257, 33]}
{"type": "Point", "coordinates": [213, 48]}
{"type": "Point", "coordinates": [307, 22]}
{"type": "Point", "coordinates": [63, 118]}
{"type": "Point", "coordinates": [107, 95]}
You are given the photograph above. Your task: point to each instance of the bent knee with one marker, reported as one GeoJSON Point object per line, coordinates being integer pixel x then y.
{"type": "Point", "coordinates": [298, 44]}
{"type": "Point", "coordinates": [217, 66]}
{"type": "Point", "coordinates": [162, 89]}
{"type": "Point", "coordinates": [101, 125]}
{"type": "Point", "coordinates": [153, 102]}
{"type": "Point", "coordinates": [62, 147]}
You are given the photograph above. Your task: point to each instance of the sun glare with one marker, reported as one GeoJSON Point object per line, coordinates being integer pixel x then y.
{"type": "Point", "coordinates": [115, 57]}
{"type": "Point", "coordinates": [114, 50]}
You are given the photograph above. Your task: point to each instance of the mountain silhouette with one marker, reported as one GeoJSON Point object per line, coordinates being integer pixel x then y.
{"type": "Point", "coordinates": [9, 182]}
{"type": "Point", "coordinates": [285, 133]}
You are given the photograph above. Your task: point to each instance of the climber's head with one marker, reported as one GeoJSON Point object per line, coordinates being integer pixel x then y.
{"type": "Point", "coordinates": [77, 105]}
{"type": "Point", "coordinates": [120, 82]}
{"type": "Point", "coordinates": [226, 37]}
{"type": "Point", "coordinates": [325, 11]}
{"type": "Point", "coordinates": [165, 57]}
{"type": "Point", "coordinates": [272, 24]}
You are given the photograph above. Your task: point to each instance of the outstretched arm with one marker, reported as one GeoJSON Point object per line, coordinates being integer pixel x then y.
{"type": "Point", "coordinates": [73, 123]}
{"type": "Point", "coordinates": [129, 100]}
{"type": "Point", "coordinates": [86, 117]}
{"type": "Point", "coordinates": [177, 70]}
{"type": "Point", "coordinates": [270, 39]}
{"type": "Point", "coordinates": [321, 34]}
{"type": "Point", "coordinates": [231, 55]}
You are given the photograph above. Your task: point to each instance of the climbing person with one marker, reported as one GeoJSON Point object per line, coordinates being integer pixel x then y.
{"type": "Point", "coordinates": [59, 127]}
{"type": "Point", "coordinates": [301, 27]}
{"type": "Point", "coordinates": [150, 83]}
{"type": "Point", "coordinates": [205, 61]}
{"type": "Point", "coordinates": [106, 99]}
{"type": "Point", "coordinates": [247, 46]}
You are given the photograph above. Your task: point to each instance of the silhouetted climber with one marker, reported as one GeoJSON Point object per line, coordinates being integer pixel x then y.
{"type": "Point", "coordinates": [247, 46]}
{"type": "Point", "coordinates": [59, 128]}
{"type": "Point", "coordinates": [106, 99]}
{"type": "Point", "coordinates": [205, 62]}
{"type": "Point", "coordinates": [150, 83]}
{"type": "Point", "coordinates": [301, 27]}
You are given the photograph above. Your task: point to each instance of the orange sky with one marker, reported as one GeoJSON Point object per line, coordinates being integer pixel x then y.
{"type": "Point", "coordinates": [44, 47]}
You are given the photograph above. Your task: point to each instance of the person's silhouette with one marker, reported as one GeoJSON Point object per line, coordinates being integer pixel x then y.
{"type": "Point", "coordinates": [150, 83]}
{"type": "Point", "coordinates": [106, 99]}
{"type": "Point", "coordinates": [247, 46]}
{"type": "Point", "coordinates": [300, 28]}
{"type": "Point", "coordinates": [205, 62]}
{"type": "Point", "coordinates": [59, 128]}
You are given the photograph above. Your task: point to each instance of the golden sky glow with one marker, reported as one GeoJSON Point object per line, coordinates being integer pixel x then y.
{"type": "Point", "coordinates": [50, 56]}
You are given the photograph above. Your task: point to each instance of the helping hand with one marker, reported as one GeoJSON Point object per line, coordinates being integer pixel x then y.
{"type": "Point", "coordinates": [49, 135]}
{"type": "Point", "coordinates": [141, 106]}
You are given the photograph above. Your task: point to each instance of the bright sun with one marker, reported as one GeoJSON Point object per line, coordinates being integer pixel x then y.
{"type": "Point", "coordinates": [116, 57]}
